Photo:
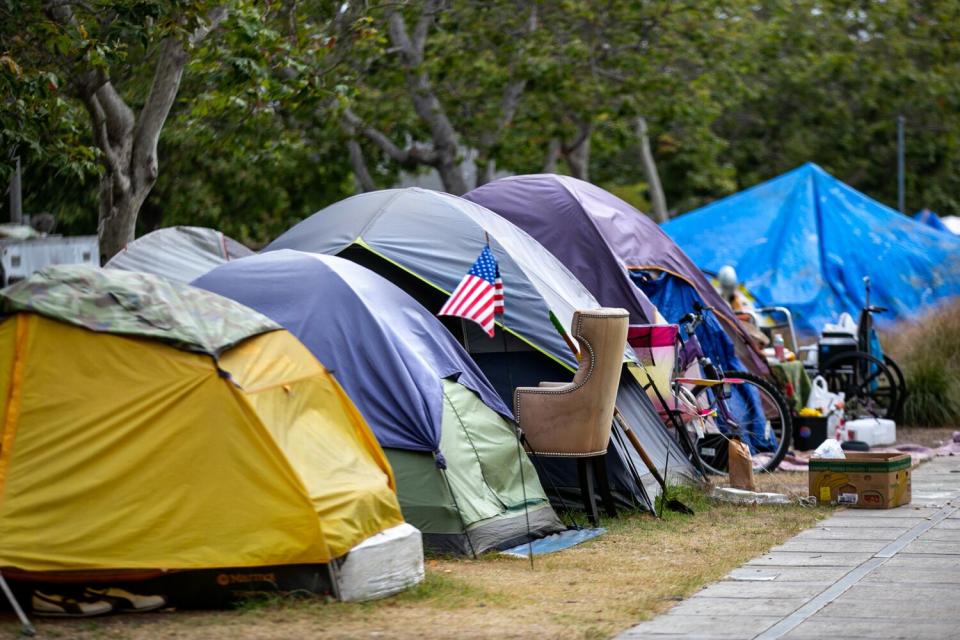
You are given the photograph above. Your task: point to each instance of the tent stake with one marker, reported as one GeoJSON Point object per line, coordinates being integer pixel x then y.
{"type": "Point", "coordinates": [26, 628]}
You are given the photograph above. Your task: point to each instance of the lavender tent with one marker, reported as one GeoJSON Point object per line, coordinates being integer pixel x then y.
{"type": "Point", "coordinates": [602, 240]}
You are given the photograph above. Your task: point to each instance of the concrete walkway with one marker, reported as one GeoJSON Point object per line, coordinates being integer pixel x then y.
{"type": "Point", "coordinates": [858, 574]}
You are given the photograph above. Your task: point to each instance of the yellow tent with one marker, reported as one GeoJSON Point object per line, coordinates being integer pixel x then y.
{"type": "Point", "coordinates": [147, 425]}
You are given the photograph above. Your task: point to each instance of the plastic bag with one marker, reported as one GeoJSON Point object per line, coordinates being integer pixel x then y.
{"type": "Point", "coordinates": [830, 449]}
{"type": "Point", "coordinates": [821, 398]}
{"type": "Point", "coordinates": [843, 325]}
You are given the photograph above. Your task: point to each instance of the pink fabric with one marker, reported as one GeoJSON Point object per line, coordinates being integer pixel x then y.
{"type": "Point", "coordinates": [649, 336]}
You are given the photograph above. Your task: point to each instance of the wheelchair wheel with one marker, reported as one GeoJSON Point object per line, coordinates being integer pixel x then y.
{"type": "Point", "coordinates": [901, 384]}
{"type": "Point", "coordinates": [869, 386]}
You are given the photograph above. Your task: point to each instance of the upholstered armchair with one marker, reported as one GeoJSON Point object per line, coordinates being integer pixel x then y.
{"type": "Point", "coordinates": [574, 419]}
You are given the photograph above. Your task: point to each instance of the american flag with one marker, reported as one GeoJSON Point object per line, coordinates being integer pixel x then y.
{"type": "Point", "coordinates": [479, 296]}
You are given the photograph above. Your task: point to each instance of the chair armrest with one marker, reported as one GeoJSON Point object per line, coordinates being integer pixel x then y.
{"type": "Point", "coordinates": [553, 384]}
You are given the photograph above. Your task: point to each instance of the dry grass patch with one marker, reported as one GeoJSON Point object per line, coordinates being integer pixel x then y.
{"type": "Point", "coordinates": [636, 571]}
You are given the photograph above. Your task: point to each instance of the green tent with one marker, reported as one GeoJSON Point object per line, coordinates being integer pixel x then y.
{"type": "Point", "coordinates": [488, 482]}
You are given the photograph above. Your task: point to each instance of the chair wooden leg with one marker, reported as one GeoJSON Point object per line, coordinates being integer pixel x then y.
{"type": "Point", "coordinates": [603, 484]}
{"type": "Point", "coordinates": [586, 473]}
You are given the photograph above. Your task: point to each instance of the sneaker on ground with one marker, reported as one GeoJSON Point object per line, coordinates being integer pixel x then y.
{"type": "Point", "coordinates": [123, 600]}
{"type": "Point", "coordinates": [57, 606]}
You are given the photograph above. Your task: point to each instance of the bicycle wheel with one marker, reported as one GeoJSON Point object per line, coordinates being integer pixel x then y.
{"type": "Point", "coordinates": [757, 410]}
{"type": "Point", "coordinates": [869, 387]}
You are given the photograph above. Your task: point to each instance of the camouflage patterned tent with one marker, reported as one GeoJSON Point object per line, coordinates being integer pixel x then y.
{"type": "Point", "coordinates": [136, 304]}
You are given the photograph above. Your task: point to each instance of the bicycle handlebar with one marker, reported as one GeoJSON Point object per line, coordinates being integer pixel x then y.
{"type": "Point", "coordinates": [693, 319]}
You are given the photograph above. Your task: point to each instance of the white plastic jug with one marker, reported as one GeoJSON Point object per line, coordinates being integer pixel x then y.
{"type": "Point", "coordinates": [874, 431]}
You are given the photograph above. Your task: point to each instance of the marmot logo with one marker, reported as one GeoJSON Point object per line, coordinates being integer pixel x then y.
{"type": "Point", "coordinates": [225, 579]}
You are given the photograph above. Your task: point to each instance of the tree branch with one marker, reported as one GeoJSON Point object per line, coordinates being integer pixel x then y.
{"type": "Point", "coordinates": [214, 18]}
{"type": "Point", "coordinates": [510, 99]}
{"type": "Point", "coordinates": [584, 129]}
{"type": "Point", "coordinates": [407, 158]}
{"type": "Point", "coordinates": [163, 93]}
{"type": "Point", "coordinates": [100, 135]}
{"type": "Point", "coordinates": [426, 104]}
{"type": "Point", "coordinates": [359, 165]}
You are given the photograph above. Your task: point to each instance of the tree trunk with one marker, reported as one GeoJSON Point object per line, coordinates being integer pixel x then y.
{"type": "Point", "coordinates": [552, 155]}
{"type": "Point", "coordinates": [118, 217]}
{"type": "Point", "coordinates": [486, 170]}
{"type": "Point", "coordinates": [657, 200]}
{"type": "Point", "coordinates": [577, 154]}
{"type": "Point", "coordinates": [128, 142]}
{"type": "Point", "coordinates": [443, 153]}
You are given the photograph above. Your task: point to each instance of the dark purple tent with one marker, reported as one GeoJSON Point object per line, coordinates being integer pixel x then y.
{"type": "Point", "coordinates": [601, 238]}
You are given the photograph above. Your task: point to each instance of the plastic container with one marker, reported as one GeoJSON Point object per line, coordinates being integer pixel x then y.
{"type": "Point", "coordinates": [809, 432]}
{"type": "Point", "coordinates": [778, 349]}
{"type": "Point", "coordinates": [874, 431]}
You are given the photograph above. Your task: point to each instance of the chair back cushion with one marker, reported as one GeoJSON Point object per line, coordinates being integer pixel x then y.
{"type": "Point", "coordinates": [575, 419]}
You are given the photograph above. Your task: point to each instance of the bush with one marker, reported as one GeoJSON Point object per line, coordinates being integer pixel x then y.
{"type": "Point", "coordinates": [928, 351]}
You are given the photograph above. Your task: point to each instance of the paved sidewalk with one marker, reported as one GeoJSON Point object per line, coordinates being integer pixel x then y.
{"type": "Point", "coordinates": [859, 574]}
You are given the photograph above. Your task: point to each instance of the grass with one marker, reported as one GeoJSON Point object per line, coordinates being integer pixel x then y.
{"type": "Point", "coordinates": [637, 570]}
{"type": "Point", "coordinates": [928, 351]}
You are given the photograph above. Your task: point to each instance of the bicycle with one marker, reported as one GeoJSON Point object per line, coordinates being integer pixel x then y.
{"type": "Point", "coordinates": [710, 408]}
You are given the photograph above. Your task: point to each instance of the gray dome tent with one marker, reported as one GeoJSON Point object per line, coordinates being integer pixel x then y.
{"type": "Point", "coordinates": [178, 253]}
{"type": "Point", "coordinates": [424, 242]}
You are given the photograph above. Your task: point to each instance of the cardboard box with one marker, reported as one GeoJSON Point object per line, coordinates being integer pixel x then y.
{"type": "Point", "coordinates": [862, 480]}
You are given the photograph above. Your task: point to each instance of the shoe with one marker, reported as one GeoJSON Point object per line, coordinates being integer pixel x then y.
{"type": "Point", "coordinates": [125, 601]}
{"type": "Point", "coordinates": [56, 606]}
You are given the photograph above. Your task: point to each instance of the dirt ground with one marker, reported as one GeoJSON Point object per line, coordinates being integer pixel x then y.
{"type": "Point", "coordinates": [638, 569]}
{"type": "Point", "coordinates": [927, 436]}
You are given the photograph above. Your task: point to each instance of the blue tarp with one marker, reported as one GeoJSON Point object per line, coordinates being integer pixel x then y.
{"type": "Point", "coordinates": [805, 240]}
{"type": "Point", "coordinates": [932, 220]}
{"type": "Point", "coordinates": [387, 351]}
{"type": "Point", "coordinates": [554, 543]}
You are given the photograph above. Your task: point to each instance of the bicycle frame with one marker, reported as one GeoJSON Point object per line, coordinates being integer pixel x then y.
{"type": "Point", "coordinates": [691, 368]}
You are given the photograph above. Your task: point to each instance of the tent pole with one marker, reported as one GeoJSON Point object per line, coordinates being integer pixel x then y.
{"type": "Point", "coordinates": [456, 505]}
{"type": "Point", "coordinates": [633, 468]}
{"type": "Point", "coordinates": [526, 505]}
{"type": "Point", "coordinates": [26, 628]}
{"type": "Point", "coordinates": [334, 582]}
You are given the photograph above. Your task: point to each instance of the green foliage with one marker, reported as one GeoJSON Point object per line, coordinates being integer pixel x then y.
{"type": "Point", "coordinates": [734, 92]}
{"type": "Point", "coordinates": [928, 351]}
